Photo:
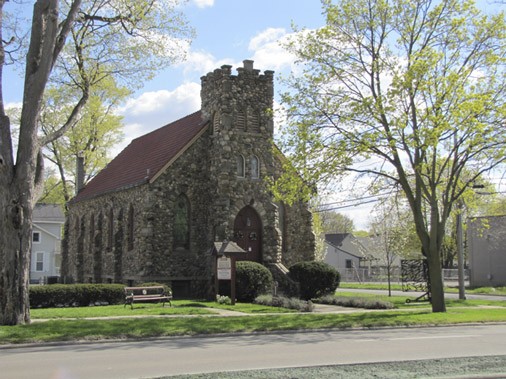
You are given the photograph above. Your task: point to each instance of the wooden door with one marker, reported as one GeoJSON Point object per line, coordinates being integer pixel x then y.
{"type": "Point", "coordinates": [248, 233]}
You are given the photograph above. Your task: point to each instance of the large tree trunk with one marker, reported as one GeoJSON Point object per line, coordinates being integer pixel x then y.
{"type": "Point", "coordinates": [16, 240]}
{"type": "Point", "coordinates": [436, 282]}
{"type": "Point", "coordinates": [436, 233]}
{"type": "Point", "coordinates": [21, 179]}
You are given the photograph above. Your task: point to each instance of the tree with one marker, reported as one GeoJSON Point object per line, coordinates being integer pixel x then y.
{"type": "Point", "coordinates": [392, 234]}
{"type": "Point", "coordinates": [334, 222]}
{"type": "Point", "coordinates": [410, 93]}
{"type": "Point", "coordinates": [121, 39]}
{"type": "Point", "coordinates": [96, 132]}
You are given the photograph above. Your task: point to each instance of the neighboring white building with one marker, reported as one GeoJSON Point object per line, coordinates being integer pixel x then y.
{"type": "Point", "coordinates": [344, 251]}
{"type": "Point", "coordinates": [486, 237]}
{"type": "Point", "coordinates": [48, 220]}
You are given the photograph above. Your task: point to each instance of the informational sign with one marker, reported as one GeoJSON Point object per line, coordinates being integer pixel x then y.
{"type": "Point", "coordinates": [224, 268]}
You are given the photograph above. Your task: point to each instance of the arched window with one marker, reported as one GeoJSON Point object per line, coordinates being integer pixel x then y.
{"type": "Point", "coordinates": [130, 242]}
{"type": "Point", "coordinates": [110, 228]}
{"type": "Point", "coordinates": [282, 224]}
{"type": "Point", "coordinates": [181, 236]}
{"type": "Point", "coordinates": [255, 167]}
{"type": "Point", "coordinates": [240, 166]}
{"type": "Point", "coordinates": [92, 233]}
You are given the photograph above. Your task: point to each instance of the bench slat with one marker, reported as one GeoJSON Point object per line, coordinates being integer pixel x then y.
{"type": "Point", "coordinates": [140, 294]}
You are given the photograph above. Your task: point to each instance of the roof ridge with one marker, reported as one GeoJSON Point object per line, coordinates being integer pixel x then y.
{"type": "Point", "coordinates": [144, 157]}
{"type": "Point", "coordinates": [166, 125]}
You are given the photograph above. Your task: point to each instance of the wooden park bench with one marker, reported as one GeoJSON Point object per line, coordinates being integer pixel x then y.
{"type": "Point", "coordinates": [155, 294]}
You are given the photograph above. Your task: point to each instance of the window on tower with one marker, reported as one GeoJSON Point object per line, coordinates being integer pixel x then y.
{"type": "Point", "coordinates": [255, 167]}
{"type": "Point", "coordinates": [240, 166]}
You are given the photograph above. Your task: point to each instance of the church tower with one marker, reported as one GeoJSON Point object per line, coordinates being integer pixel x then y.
{"type": "Point", "coordinates": [240, 112]}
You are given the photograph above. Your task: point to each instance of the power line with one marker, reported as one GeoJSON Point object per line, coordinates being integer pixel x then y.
{"type": "Point", "coordinates": [356, 199]}
{"type": "Point", "coordinates": [346, 206]}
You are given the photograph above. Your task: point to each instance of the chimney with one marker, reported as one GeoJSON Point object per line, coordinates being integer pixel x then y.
{"type": "Point", "coordinates": [79, 172]}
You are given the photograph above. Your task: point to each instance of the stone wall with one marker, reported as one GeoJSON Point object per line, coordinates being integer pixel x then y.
{"type": "Point", "coordinates": [97, 242]}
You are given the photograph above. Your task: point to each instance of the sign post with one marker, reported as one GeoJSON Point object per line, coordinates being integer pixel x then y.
{"type": "Point", "coordinates": [226, 253]}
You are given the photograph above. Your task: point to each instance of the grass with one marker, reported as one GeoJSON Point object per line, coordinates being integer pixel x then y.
{"type": "Point", "coordinates": [500, 291]}
{"type": "Point", "coordinates": [66, 330]}
{"type": "Point", "coordinates": [400, 301]}
{"type": "Point", "coordinates": [260, 318]}
{"type": "Point", "coordinates": [179, 307]}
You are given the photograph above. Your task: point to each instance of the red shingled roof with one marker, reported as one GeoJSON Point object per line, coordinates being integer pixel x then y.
{"type": "Point", "coordinates": [145, 157]}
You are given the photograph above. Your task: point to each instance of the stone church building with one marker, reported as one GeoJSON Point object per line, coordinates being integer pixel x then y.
{"type": "Point", "coordinates": [155, 211]}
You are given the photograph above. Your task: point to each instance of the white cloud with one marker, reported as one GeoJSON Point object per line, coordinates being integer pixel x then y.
{"type": "Point", "coordinates": [202, 62]}
{"type": "Point", "coordinates": [268, 51]}
{"type": "Point", "coordinates": [203, 3]}
{"type": "Point", "coordinates": [152, 110]}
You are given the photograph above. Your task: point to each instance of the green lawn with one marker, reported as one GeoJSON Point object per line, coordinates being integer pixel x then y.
{"type": "Point", "coordinates": [400, 301]}
{"type": "Point", "coordinates": [260, 318]}
{"type": "Point", "coordinates": [398, 287]}
{"type": "Point", "coordinates": [179, 307]}
{"type": "Point", "coordinates": [65, 330]}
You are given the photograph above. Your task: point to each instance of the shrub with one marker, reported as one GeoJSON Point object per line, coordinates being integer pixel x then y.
{"type": "Point", "coordinates": [315, 278]}
{"type": "Point", "coordinates": [355, 302]}
{"type": "Point", "coordinates": [252, 279]}
{"type": "Point", "coordinates": [285, 302]}
{"type": "Point", "coordinates": [65, 295]}
{"type": "Point", "coordinates": [223, 300]}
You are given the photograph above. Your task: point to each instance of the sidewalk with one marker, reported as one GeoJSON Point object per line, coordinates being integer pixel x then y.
{"type": "Point", "coordinates": [318, 308]}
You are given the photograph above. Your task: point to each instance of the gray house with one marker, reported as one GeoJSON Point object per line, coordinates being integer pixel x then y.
{"type": "Point", "coordinates": [344, 251]}
{"type": "Point", "coordinates": [486, 238]}
{"type": "Point", "coordinates": [48, 220]}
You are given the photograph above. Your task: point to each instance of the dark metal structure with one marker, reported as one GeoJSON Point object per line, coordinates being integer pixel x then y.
{"type": "Point", "coordinates": [415, 277]}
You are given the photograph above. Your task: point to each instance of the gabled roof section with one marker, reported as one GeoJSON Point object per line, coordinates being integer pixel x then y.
{"type": "Point", "coordinates": [336, 239]}
{"type": "Point", "coordinates": [52, 213]}
{"type": "Point", "coordinates": [145, 157]}
{"type": "Point", "coordinates": [354, 247]}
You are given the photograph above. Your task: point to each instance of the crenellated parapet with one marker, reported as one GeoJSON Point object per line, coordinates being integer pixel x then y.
{"type": "Point", "coordinates": [242, 102]}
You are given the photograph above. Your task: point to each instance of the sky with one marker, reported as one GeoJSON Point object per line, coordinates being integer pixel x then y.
{"type": "Point", "coordinates": [227, 32]}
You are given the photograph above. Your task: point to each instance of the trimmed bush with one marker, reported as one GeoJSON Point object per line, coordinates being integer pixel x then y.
{"type": "Point", "coordinates": [252, 280]}
{"type": "Point", "coordinates": [355, 302]}
{"type": "Point", "coordinates": [315, 278]}
{"type": "Point", "coordinates": [285, 302]}
{"type": "Point", "coordinates": [66, 295]}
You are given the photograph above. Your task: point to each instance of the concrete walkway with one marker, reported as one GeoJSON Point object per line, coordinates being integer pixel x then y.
{"type": "Point", "coordinates": [217, 312]}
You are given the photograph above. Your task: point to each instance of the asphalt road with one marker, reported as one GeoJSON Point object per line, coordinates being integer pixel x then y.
{"type": "Point", "coordinates": [171, 356]}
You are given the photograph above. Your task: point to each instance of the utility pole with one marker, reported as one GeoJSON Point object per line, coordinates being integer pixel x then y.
{"type": "Point", "coordinates": [460, 256]}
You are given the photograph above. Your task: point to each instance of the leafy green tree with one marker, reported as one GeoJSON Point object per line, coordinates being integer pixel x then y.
{"type": "Point", "coordinates": [78, 42]}
{"type": "Point", "coordinates": [408, 92]}
{"type": "Point", "coordinates": [334, 222]}
{"type": "Point", "coordinates": [94, 134]}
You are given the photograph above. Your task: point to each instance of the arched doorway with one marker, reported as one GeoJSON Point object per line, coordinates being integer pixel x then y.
{"type": "Point", "coordinates": [248, 234]}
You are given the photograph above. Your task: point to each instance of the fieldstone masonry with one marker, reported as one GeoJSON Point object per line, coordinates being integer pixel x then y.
{"type": "Point", "coordinates": [128, 235]}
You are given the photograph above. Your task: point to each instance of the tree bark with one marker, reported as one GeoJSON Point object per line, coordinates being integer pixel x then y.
{"type": "Point", "coordinates": [436, 232]}
{"type": "Point", "coordinates": [16, 248]}
{"type": "Point", "coordinates": [21, 179]}
{"type": "Point", "coordinates": [436, 282]}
